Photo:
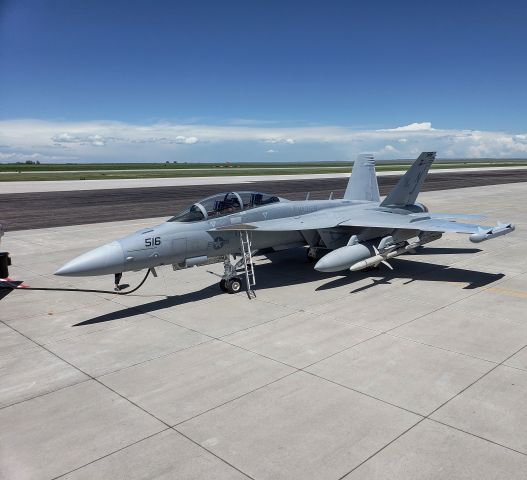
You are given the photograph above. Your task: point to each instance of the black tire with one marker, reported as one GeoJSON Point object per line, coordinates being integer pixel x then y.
{"type": "Point", "coordinates": [234, 285]}
{"type": "Point", "coordinates": [223, 285]}
{"type": "Point", "coordinates": [311, 255]}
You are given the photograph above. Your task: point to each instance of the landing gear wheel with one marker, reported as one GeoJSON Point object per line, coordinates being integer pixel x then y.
{"type": "Point", "coordinates": [223, 285]}
{"type": "Point", "coordinates": [234, 285]}
{"type": "Point", "coordinates": [311, 255]}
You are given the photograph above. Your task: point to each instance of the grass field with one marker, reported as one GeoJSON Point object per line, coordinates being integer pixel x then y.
{"type": "Point", "coordinates": [112, 171]}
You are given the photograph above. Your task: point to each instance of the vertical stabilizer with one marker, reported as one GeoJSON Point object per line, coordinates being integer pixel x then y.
{"type": "Point", "coordinates": [362, 184]}
{"type": "Point", "coordinates": [408, 187]}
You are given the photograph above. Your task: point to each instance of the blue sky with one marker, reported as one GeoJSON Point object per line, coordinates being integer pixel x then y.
{"type": "Point", "coordinates": [288, 80]}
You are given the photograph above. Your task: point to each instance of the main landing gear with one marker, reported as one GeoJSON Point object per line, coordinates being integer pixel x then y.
{"type": "Point", "coordinates": [314, 254]}
{"type": "Point", "coordinates": [231, 281]}
{"type": "Point", "coordinates": [232, 285]}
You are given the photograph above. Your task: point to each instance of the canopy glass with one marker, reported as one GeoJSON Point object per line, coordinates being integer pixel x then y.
{"type": "Point", "coordinates": [223, 204]}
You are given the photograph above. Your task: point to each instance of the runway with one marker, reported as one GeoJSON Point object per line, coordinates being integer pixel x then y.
{"type": "Point", "coordinates": [21, 211]}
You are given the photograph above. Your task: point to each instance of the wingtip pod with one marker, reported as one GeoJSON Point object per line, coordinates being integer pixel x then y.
{"type": "Point", "coordinates": [499, 230]}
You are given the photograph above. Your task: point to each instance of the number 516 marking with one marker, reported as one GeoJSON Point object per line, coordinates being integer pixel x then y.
{"type": "Point", "coordinates": [151, 242]}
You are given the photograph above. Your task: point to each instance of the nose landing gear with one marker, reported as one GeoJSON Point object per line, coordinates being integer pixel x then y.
{"type": "Point", "coordinates": [118, 285]}
{"type": "Point", "coordinates": [117, 279]}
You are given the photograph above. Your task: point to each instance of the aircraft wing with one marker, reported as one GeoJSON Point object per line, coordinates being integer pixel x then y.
{"type": "Point", "coordinates": [287, 224]}
{"type": "Point", "coordinates": [376, 219]}
{"type": "Point", "coordinates": [451, 216]}
{"type": "Point", "coordinates": [364, 219]}
{"type": "Point", "coordinates": [423, 222]}
{"type": "Point", "coordinates": [426, 223]}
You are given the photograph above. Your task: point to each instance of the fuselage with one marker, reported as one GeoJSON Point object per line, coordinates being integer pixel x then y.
{"type": "Point", "coordinates": [356, 231]}
{"type": "Point", "coordinates": [191, 243]}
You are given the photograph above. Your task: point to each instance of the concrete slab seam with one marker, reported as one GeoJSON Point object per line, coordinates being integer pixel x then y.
{"type": "Point", "coordinates": [124, 398]}
{"type": "Point", "coordinates": [46, 393]}
{"type": "Point", "coordinates": [234, 399]}
{"type": "Point", "coordinates": [213, 454]}
{"type": "Point", "coordinates": [453, 302]}
{"type": "Point", "coordinates": [111, 453]}
{"type": "Point", "coordinates": [83, 372]}
{"type": "Point", "coordinates": [427, 417]}
{"type": "Point", "coordinates": [164, 355]}
{"type": "Point", "coordinates": [477, 436]}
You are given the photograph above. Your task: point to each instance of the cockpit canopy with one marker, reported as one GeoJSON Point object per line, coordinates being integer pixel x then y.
{"type": "Point", "coordinates": [224, 204]}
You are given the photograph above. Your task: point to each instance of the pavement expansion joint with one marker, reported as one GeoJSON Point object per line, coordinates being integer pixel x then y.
{"type": "Point", "coordinates": [358, 369]}
{"type": "Point", "coordinates": [427, 417]}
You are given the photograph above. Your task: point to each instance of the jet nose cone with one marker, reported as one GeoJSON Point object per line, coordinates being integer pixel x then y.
{"type": "Point", "coordinates": [101, 261]}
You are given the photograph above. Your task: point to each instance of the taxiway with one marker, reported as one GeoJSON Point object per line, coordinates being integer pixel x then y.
{"type": "Point", "coordinates": [37, 209]}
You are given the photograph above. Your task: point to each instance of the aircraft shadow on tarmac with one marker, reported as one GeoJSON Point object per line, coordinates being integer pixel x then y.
{"type": "Point", "coordinates": [444, 251]}
{"type": "Point", "coordinates": [293, 271]}
{"type": "Point", "coordinates": [4, 292]}
{"type": "Point", "coordinates": [6, 288]}
{"type": "Point", "coordinates": [431, 272]}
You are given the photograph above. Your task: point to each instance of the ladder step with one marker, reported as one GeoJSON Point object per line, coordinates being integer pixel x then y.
{"type": "Point", "coordinates": [248, 266]}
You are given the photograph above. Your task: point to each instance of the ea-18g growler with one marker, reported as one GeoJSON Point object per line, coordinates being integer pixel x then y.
{"type": "Point", "coordinates": [355, 232]}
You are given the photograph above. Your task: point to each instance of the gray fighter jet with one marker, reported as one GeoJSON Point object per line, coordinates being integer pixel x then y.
{"type": "Point", "coordinates": [356, 232]}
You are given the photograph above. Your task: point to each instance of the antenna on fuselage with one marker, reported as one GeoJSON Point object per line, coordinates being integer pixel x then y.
{"type": "Point", "coordinates": [330, 196]}
{"type": "Point", "coordinates": [307, 196]}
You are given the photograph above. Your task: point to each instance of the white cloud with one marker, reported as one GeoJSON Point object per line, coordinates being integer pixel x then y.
{"type": "Point", "coordinates": [93, 140]}
{"type": "Point", "coordinates": [289, 141]}
{"type": "Point", "coordinates": [186, 140]}
{"type": "Point", "coordinates": [98, 140]}
{"type": "Point", "coordinates": [413, 127]}
{"type": "Point", "coordinates": [120, 141]}
{"type": "Point", "coordinates": [23, 157]}
{"type": "Point", "coordinates": [271, 151]}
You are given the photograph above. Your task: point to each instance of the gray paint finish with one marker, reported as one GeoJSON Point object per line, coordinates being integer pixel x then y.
{"type": "Point", "coordinates": [364, 231]}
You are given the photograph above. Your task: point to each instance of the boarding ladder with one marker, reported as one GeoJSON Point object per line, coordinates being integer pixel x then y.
{"type": "Point", "coordinates": [248, 265]}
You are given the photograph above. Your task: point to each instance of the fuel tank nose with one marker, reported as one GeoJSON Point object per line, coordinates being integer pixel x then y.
{"type": "Point", "coordinates": [103, 260]}
{"type": "Point", "coordinates": [343, 258]}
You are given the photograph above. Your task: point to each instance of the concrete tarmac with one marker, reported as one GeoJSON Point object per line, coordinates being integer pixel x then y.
{"type": "Point", "coordinates": [419, 372]}
{"type": "Point", "coordinates": [53, 209]}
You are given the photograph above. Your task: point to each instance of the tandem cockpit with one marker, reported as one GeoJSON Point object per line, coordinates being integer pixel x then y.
{"type": "Point", "coordinates": [225, 204]}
